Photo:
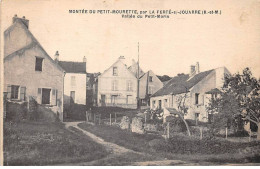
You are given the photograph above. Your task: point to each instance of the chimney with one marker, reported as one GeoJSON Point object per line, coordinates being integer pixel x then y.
{"type": "Point", "coordinates": [121, 57]}
{"type": "Point", "coordinates": [56, 56]}
{"type": "Point", "coordinates": [23, 20]}
{"type": "Point", "coordinates": [197, 68]}
{"type": "Point", "coordinates": [192, 70]}
{"type": "Point", "coordinates": [84, 59]}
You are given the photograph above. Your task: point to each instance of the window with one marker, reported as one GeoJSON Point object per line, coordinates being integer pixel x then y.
{"type": "Point", "coordinates": [150, 90]}
{"type": "Point", "coordinates": [46, 95]}
{"type": "Point", "coordinates": [14, 92]}
{"type": "Point", "coordinates": [150, 78]}
{"type": "Point", "coordinates": [114, 85]}
{"type": "Point", "coordinates": [196, 98]}
{"type": "Point", "coordinates": [165, 103]}
{"type": "Point", "coordinates": [73, 80]}
{"type": "Point", "coordinates": [115, 73]}
{"type": "Point", "coordinates": [38, 64]}
{"type": "Point", "coordinates": [113, 99]}
{"type": "Point", "coordinates": [129, 86]}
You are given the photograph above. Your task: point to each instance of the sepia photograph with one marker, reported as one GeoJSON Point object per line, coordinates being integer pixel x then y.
{"type": "Point", "coordinates": [130, 83]}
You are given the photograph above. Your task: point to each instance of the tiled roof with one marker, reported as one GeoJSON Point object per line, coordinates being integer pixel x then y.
{"type": "Point", "coordinates": [73, 67]}
{"type": "Point", "coordinates": [180, 84]}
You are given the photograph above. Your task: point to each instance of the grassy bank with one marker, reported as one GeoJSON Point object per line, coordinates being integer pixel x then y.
{"type": "Point", "coordinates": [179, 147]}
{"type": "Point", "coordinates": [39, 143]}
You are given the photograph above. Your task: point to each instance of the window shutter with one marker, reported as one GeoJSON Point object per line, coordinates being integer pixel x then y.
{"type": "Point", "coordinates": [22, 93]}
{"type": "Point", "coordinates": [201, 99]}
{"type": "Point", "coordinates": [9, 90]}
{"type": "Point", "coordinates": [193, 98]}
{"type": "Point", "coordinates": [56, 98]}
{"type": "Point", "coordinates": [39, 96]}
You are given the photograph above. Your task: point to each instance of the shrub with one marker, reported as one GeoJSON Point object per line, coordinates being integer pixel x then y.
{"type": "Point", "coordinates": [158, 144]}
{"type": "Point", "coordinates": [16, 111]}
{"type": "Point", "coordinates": [176, 124]}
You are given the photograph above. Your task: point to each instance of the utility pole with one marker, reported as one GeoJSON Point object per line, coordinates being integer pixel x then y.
{"type": "Point", "coordinates": [138, 99]}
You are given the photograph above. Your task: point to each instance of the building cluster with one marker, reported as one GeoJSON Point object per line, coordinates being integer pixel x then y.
{"type": "Point", "coordinates": [30, 72]}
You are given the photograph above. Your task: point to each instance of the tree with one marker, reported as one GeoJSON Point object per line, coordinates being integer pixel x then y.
{"type": "Point", "coordinates": [183, 109]}
{"type": "Point", "coordinates": [239, 98]}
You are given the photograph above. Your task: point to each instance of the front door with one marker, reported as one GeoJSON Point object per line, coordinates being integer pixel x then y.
{"type": "Point", "coordinates": [197, 118]}
{"type": "Point", "coordinates": [103, 100]}
{"type": "Point", "coordinates": [160, 104]}
{"type": "Point", "coordinates": [113, 99]}
{"type": "Point", "coordinates": [46, 96]}
{"type": "Point", "coordinates": [129, 99]}
{"type": "Point", "coordinates": [72, 97]}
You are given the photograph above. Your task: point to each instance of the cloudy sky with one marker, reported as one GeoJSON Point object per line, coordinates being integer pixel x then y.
{"type": "Point", "coordinates": [167, 46]}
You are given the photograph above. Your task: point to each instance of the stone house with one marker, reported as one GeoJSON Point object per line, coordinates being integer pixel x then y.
{"type": "Point", "coordinates": [117, 86]}
{"type": "Point", "coordinates": [29, 71]}
{"type": "Point", "coordinates": [149, 84]}
{"type": "Point", "coordinates": [197, 88]}
{"type": "Point", "coordinates": [74, 81]}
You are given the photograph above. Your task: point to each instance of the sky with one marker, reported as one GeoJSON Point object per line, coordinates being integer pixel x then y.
{"type": "Point", "coordinates": [167, 46]}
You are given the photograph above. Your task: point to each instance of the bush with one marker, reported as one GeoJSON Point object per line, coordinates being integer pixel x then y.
{"type": "Point", "coordinates": [176, 124]}
{"type": "Point", "coordinates": [158, 144]}
{"type": "Point", "coordinates": [16, 112]}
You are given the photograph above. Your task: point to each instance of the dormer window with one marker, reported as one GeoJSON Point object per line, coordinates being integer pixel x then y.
{"type": "Point", "coordinates": [38, 64]}
{"type": "Point", "coordinates": [115, 73]}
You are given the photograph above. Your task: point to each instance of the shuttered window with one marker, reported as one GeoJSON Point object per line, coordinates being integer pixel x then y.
{"type": "Point", "coordinates": [23, 93]}
{"type": "Point", "coordinates": [14, 92]}
{"type": "Point", "coordinates": [38, 64]}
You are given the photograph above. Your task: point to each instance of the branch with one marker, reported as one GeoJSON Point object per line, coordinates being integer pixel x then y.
{"type": "Point", "coordinates": [251, 120]}
{"type": "Point", "coordinates": [253, 113]}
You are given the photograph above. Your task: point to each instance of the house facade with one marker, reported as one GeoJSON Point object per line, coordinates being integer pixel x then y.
{"type": "Point", "coordinates": [29, 71]}
{"type": "Point", "coordinates": [149, 84]}
{"type": "Point", "coordinates": [74, 82]}
{"type": "Point", "coordinates": [117, 86]}
{"type": "Point", "coordinates": [193, 90]}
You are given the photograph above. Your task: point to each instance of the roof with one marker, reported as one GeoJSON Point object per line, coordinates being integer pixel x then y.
{"type": "Point", "coordinates": [213, 91]}
{"type": "Point", "coordinates": [118, 60]}
{"type": "Point", "coordinates": [29, 46]}
{"type": "Point", "coordinates": [73, 67]}
{"type": "Point", "coordinates": [173, 111]}
{"type": "Point", "coordinates": [181, 84]}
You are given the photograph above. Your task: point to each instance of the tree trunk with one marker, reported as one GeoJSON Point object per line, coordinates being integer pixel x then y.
{"type": "Point", "coordinates": [258, 131]}
{"type": "Point", "coordinates": [186, 124]}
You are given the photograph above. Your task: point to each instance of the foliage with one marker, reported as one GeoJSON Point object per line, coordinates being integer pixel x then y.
{"type": "Point", "coordinates": [238, 101]}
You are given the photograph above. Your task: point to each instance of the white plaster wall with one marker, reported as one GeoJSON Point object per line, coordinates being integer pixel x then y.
{"type": "Point", "coordinates": [79, 87]}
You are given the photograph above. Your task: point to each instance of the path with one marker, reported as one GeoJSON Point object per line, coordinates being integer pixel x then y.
{"type": "Point", "coordinates": [117, 151]}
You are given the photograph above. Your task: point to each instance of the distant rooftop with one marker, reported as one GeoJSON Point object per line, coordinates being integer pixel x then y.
{"type": "Point", "coordinates": [73, 67]}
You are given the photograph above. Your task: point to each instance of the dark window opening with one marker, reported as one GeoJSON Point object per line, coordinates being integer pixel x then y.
{"type": "Point", "coordinates": [46, 96]}
{"type": "Point", "coordinates": [14, 92]}
{"type": "Point", "coordinates": [196, 98]}
{"type": "Point", "coordinates": [38, 64]}
{"type": "Point", "coordinates": [160, 104]}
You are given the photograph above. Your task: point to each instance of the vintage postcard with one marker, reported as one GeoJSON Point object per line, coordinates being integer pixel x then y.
{"type": "Point", "coordinates": [130, 82]}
